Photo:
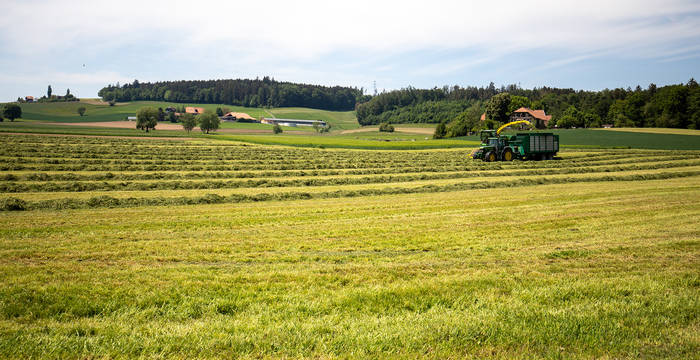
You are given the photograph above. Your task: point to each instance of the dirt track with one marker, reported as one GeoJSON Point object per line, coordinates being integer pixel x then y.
{"type": "Point", "coordinates": [170, 126]}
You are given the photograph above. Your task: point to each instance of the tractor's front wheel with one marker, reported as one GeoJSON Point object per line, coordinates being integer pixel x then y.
{"type": "Point", "coordinates": [490, 156]}
{"type": "Point", "coordinates": [508, 155]}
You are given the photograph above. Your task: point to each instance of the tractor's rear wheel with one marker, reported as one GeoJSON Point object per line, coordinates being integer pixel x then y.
{"type": "Point", "coordinates": [508, 155]}
{"type": "Point", "coordinates": [490, 156]}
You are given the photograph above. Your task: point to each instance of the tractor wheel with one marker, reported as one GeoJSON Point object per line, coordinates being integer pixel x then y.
{"type": "Point", "coordinates": [508, 155]}
{"type": "Point", "coordinates": [490, 156]}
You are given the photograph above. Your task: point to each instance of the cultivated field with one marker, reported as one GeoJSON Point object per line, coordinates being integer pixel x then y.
{"type": "Point", "coordinates": [115, 247]}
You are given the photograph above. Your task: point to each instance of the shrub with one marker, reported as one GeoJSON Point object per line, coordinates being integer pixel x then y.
{"type": "Point", "coordinates": [440, 131]}
{"type": "Point", "coordinates": [386, 127]}
{"type": "Point", "coordinates": [277, 129]}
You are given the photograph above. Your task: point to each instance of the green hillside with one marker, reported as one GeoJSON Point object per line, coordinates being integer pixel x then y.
{"type": "Point", "coordinates": [68, 112]}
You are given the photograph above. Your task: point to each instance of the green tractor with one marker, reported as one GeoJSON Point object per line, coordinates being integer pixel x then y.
{"type": "Point", "coordinates": [531, 146]}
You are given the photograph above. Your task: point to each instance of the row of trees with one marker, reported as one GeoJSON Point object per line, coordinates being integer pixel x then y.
{"type": "Point", "coordinates": [242, 92]}
{"type": "Point", "coordinates": [147, 118]}
{"type": "Point", "coordinates": [675, 106]}
{"type": "Point", "coordinates": [51, 97]}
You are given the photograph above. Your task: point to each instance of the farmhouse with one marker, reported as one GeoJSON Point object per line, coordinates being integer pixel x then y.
{"type": "Point", "coordinates": [29, 99]}
{"type": "Point", "coordinates": [292, 122]}
{"type": "Point", "coordinates": [536, 117]}
{"type": "Point", "coordinates": [194, 110]}
{"type": "Point", "coordinates": [237, 116]}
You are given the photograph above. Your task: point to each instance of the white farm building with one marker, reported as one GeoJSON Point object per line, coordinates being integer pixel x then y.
{"type": "Point", "coordinates": [292, 122]}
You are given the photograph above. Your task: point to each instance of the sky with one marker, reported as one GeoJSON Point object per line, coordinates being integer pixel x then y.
{"type": "Point", "coordinates": [591, 45]}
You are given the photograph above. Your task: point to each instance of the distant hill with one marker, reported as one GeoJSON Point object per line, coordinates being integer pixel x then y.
{"type": "Point", "coordinates": [241, 92]}
{"type": "Point", "coordinates": [101, 111]}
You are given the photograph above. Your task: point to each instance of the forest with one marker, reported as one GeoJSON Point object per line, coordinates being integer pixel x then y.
{"type": "Point", "coordinates": [243, 92]}
{"type": "Point", "coordinates": [673, 106]}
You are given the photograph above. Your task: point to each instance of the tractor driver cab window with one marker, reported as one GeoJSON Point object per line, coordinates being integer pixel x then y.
{"type": "Point", "coordinates": [493, 141]}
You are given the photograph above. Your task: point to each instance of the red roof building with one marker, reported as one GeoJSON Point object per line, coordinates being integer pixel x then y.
{"type": "Point", "coordinates": [194, 110]}
{"type": "Point", "coordinates": [536, 117]}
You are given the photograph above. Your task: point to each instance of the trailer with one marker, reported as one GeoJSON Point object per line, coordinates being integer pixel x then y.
{"type": "Point", "coordinates": [524, 145]}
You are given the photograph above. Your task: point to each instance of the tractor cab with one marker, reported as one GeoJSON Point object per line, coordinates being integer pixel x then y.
{"type": "Point", "coordinates": [484, 135]}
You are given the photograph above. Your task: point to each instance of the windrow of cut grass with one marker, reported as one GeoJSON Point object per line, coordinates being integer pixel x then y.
{"type": "Point", "coordinates": [476, 169]}
{"type": "Point", "coordinates": [60, 173]}
{"type": "Point", "coordinates": [214, 183]}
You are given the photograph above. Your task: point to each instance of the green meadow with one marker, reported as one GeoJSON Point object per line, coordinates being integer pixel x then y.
{"type": "Point", "coordinates": [95, 111]}
{"type": "Point", "coordinates": [154, 248]}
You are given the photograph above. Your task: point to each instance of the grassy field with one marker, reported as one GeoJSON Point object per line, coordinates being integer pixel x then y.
{"type": "Point", "coordinates": [202, 249]}
{"type": "Point", "coordinates": [657, 131]}
{"type": "Point", "coordinates": [67, 112]}
{"type": "Point", "coordinates": [339, 120]}
{"type": "Point", "coordinates": [371, 140]}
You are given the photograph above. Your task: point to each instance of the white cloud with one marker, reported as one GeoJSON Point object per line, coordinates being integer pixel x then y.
{"type": "Point", "coordinates": [207, 38]}
{"type": "Point", "coordinates": [308, 29]}
{"type": "Point", "coordinates": [85, 78]}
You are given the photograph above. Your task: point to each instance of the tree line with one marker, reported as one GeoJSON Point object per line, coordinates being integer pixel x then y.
{"type": "Point", "coordinates": [674, 106]}
{"type": "Point", "coordinates": [241, 92]}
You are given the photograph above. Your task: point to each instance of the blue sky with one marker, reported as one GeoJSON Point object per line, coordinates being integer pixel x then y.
{"type": "Point", "coordinates": [85, 45]}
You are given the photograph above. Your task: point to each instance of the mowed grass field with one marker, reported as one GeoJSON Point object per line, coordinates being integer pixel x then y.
{"type": "Point", "coordinates": [154, 248]}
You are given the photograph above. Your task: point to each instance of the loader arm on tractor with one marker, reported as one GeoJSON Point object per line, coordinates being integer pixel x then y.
{"type": "Point", "coordinates": [498, 132]}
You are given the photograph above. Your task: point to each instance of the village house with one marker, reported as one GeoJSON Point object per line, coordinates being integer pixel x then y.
{"type": "Point", "coordinates": [238, 116]}
{"type": "Point", "coordinates": [29, 99]}
{"type": "Point", "coordinates": [536, 117]}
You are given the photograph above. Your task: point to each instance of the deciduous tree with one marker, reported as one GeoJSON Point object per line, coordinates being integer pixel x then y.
{"type": "Point", "coordinates": [81, 110]}
{"type": "Point", "coordinates": [516, 102]}
{"type": "Point", "coordinates": [208, 121]}
{"type": "Point", "coordinates": [497, 108]}
{"type": "Point", "coordinates": [146, 118]}
{"type": "Point", "coordinates": [12, 111]}
{"type": "Point", "coordinates": [188, 122]}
